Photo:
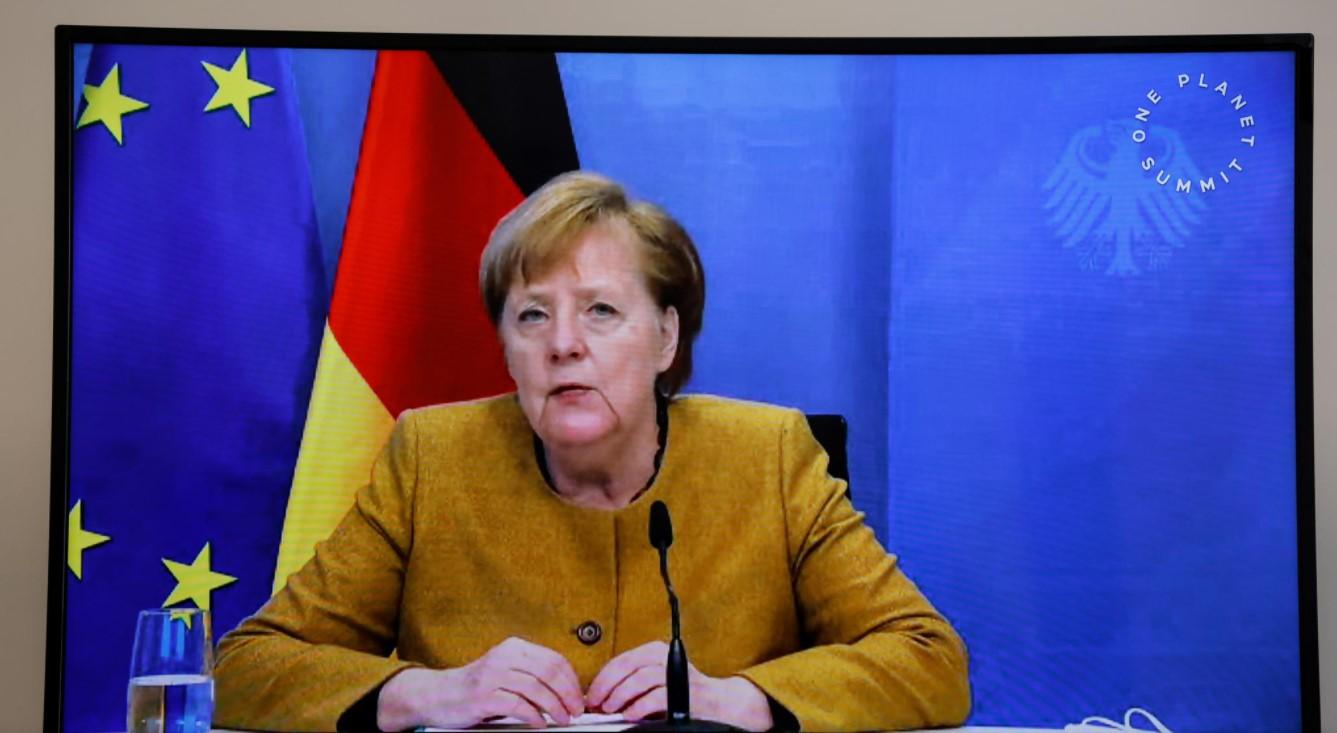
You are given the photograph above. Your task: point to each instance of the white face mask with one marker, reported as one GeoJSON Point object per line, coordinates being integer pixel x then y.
{"type": "Point", "coordinates": [1096, 724]}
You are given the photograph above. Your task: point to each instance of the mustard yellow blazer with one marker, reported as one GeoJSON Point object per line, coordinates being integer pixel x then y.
{"type": "Point", "coordinates": [458, 543]}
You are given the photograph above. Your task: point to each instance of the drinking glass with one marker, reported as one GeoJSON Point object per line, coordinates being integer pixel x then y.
{"type": "Point", "coordinates": [171, 672]}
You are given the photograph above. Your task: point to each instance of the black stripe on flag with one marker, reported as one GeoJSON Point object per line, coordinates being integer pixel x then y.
{"type": "Point", "coordinates": [516, 102]}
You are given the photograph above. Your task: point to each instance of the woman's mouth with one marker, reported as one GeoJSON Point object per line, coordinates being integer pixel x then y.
{"type": "Point", "coordinates": [570, 392]}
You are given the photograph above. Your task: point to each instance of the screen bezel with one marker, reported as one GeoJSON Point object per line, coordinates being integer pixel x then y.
{"type": "Point", "coordinates": [1301, 44]}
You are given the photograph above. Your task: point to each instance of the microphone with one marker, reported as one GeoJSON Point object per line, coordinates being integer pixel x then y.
{"type": "Point", "coordinates": [679, 697]}
{"type": "Point", "coordinates": [661, 527]}
{"type": "Point", "coordinates": [679, 718]}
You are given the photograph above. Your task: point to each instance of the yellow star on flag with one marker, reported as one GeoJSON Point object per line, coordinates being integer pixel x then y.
{"type": "Point", "coordinates": [185, 616]}
{"type": "Point", "coordinates": [80, 539]}
{"type": "Point", "coordinates": [195, 581]}
{"type": "Point", "coordinates": [236, 88]}
{"type": "Point", "coordinates": [107, 105]}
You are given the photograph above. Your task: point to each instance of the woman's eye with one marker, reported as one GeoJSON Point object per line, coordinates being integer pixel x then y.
{"type": "Point", "coordinates": [602, 309]}
{"type": "Point", "coordinates": [529, 315]}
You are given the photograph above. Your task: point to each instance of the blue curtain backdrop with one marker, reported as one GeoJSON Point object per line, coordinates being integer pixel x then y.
{"type": "Point", "coordinates": [1093, 473]}
{"type": "Point", "coordinates": [1067, 386]}
{"type": "Point", "coordinates": [1089, 469]}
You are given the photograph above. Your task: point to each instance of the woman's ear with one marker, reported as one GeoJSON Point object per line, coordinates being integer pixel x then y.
{"type": "Point", "coordinates": [668, 332]}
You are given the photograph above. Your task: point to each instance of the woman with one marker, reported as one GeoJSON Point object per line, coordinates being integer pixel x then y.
{"type": "Point", "coordinates": [500, 549]}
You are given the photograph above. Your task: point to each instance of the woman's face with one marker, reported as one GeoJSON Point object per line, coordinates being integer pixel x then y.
{"type": "Point", "coordinates": [585, 342]}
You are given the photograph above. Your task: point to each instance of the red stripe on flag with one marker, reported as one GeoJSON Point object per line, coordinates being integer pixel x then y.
{"type": "Point", "coordinates": [428, 191]}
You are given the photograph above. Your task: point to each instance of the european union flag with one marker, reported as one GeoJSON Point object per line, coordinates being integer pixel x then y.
{"type": "Point", "coordinates": [199, 296]}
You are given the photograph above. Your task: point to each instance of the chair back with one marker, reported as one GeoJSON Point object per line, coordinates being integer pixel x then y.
{"type": "Point", "coordinates": [832, 432]}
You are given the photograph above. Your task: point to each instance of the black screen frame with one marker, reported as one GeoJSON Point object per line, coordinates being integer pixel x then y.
{"type": "Point", "coordinates": [1301, 44]}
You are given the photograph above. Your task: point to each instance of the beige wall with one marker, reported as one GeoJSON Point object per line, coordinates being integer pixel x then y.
{"type": "Point", "coordinates": [26, 201]}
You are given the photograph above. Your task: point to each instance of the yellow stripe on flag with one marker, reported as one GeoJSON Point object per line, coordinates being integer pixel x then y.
{"type": "Point", "coordinates": [346, 426]}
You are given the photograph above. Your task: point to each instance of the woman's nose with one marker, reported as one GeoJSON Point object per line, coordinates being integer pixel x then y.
{"type": "Point", "coordinates": [567, 339]}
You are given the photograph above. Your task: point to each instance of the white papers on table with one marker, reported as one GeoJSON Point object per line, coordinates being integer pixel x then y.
{"type": "Point", "coordinates": [591, 722]}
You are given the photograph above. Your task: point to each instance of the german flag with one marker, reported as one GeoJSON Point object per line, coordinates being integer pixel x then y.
{"type": "Point", "coordinates": [453, 141]}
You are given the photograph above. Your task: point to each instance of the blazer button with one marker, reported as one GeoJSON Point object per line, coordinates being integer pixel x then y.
{"type": "Point", "coordinates": [589, 633]}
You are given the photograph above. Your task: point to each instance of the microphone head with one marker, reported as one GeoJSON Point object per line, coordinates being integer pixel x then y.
{"type": "Point", "coordinates": [661, 527]}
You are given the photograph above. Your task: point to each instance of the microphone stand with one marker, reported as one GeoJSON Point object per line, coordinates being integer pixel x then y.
{"type": "Point", "coordinates": [675, 670]}
{"type": "Point", "coordinates": [679, 718]}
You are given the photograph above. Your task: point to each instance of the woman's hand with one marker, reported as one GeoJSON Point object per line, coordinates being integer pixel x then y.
{"type": "Point", "coordinates": [633, 684]}
{"type": "Point", "coordinates": [514, 678]}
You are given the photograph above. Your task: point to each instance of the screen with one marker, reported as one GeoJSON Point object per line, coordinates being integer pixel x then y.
{"type": "Point", "coordinates": [1053, 293]}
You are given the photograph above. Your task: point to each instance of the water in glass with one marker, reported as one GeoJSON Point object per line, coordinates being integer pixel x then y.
{"type": "Point", "coordinates": [171, 686]}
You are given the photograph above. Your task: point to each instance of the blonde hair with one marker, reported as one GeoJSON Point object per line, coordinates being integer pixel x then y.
{"type": "Point", "coordinates": [542, 232]}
